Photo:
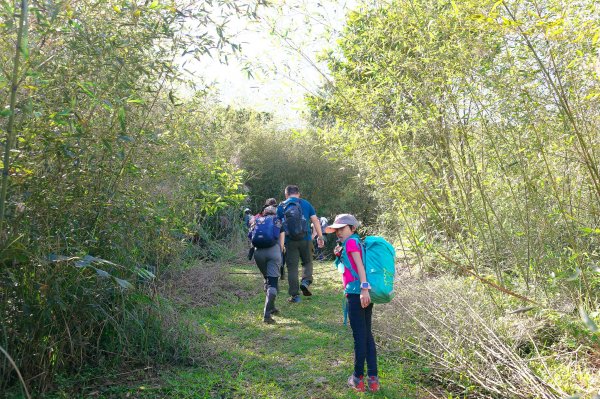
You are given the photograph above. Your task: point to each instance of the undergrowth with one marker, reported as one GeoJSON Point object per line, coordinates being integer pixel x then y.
{"type": "Point", "coordinates": [480, 344]}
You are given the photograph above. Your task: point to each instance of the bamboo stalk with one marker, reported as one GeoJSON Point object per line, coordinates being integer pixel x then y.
{"type": "Point", "coordinates": [10, 129]}
{"type": "Point", "coordinates": [12, 362]}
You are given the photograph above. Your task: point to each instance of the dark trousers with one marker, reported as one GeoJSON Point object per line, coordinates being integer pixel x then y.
{"type": "Point", "coordinates": [364, 344]}
{"type": "Point", "coordinates": [296, 250]}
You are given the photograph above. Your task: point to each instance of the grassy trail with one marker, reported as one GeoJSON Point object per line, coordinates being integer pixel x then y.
{"type": "Point", "coordinates": [307, 354]}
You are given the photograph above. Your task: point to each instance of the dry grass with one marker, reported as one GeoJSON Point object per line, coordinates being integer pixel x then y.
{"type": "Point", "coordinates": [206, 284]}
{"type": "Point", "coordinates": [477, 350]}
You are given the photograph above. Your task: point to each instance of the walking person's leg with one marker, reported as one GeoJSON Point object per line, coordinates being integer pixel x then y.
{"type": "Point", "coordinates": [356, 314]}
{"type": "Point", "coordinates": [260, 257]}
{"type": "Point", "coordinates": [306, 254]}
{"type": "Point", "coordinates": [292, 258]}
{"type": "Point", "coordinates": [371, 348]}
{"type": "Point", "coordinates": [273, 265]}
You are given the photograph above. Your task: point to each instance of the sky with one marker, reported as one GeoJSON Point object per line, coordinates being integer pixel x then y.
{"type": "Point", "coordinates": [281, 74]}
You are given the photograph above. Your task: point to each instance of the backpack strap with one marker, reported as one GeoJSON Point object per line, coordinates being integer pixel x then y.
{"type": "Point", "coordinates": [346, 260]}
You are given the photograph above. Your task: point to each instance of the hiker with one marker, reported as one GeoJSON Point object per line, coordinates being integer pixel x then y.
{"type": "Point", "coordinates": [359, 306]}
{"type": "Point", "coordinates": [266, 238]}
{"type": "Point", "coordinates": [268, 202]}
{"type": "Point", "coordinates": [320, 251]}
{"type": "Point", "coordinates": [297, 214]}
{"type": "Point", "coordinates": [247, 217]}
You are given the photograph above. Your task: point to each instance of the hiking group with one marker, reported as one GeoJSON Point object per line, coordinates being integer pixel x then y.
{"type": "Point", "coordinates": [282, 234]}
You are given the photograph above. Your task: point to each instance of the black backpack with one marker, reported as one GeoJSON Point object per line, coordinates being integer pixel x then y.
{"type": "Point", "coordinates": [294, 221]}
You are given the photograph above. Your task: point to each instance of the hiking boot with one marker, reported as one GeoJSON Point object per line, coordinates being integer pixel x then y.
{"type": "Point", "coordinates": [373, 383]}
{"type": "Point", "coordinates": [294, 299]}
{"type": "Point", "coordinates": [270, 301]}
{"type": "Point", "coordinates": [304, 289]}
{"type": "Point", "coordinates": [269, 320]}
{"type": "Point", "coordinates": [356, 383]}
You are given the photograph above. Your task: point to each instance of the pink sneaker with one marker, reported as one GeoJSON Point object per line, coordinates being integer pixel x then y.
{"type": "Point", "coordinates": [356, 383]}
{"type": "Point", "coordinates": [373, 382]}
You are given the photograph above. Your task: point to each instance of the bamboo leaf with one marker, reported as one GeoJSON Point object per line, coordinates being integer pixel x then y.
{"type": "Point", "coordinates": [126, 138]}
{"type": "Point", "coordinates": [123, 283]}
{"type": "Point", "coordinates": [575, 275]}
{"type": "Point", "coordinates": [122, 122]}
{"type": "Point", "coordinates": [145, 273]}
{"type": "Point", "coordinates": [590, 231]}
{"type": "Point", "coordinates": [496, 5]}
{"type": "Point", "coordinates": [86, 90]}
{"type": "Point", "coordinates": [102, 273]}
{"type": "Point", "coordinates": [59, 258]}
{"type": "Point", "coordinates": [589, 323]}
{"type": "Point", "coordinates": [24, 47]}
{"type": "Point", "coordinates": [86, 261]}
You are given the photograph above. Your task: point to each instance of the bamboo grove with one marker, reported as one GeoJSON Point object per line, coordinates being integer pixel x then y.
{"type": "Point", "coordinates": [465, 131]}
{"type": "Point", "coordinates": [478, 124]}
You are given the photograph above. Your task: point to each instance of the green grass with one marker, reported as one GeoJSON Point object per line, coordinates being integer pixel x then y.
{"type": "Point", "coordinates": [307, 354]}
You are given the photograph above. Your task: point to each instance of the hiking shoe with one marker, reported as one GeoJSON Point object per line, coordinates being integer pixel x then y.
{"type": "Point", "coordinates": [269, 320]}
{"type": "Point", "coordinates": [304, 289]}
{"type": "Point", "coordinates": [356, 383]}
{"type": "Point", "coordinates": [294, 299]}
{"type": "Point", "coordinates": [274, 311]}
{"type": "Point", "coordinates": [373, 382]}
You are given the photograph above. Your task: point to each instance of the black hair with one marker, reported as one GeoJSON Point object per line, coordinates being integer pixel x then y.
{"type": "Point", "coordinates": [292, 189]}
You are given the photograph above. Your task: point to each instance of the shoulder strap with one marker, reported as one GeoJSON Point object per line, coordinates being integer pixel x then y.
{"type": "Point", "coordinates": [346, 260]}
{"type": "Point", "coordinates": [291, 200]}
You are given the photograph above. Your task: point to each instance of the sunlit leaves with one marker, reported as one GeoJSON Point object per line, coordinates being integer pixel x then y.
{"type": "Point", "coordinates": [459, 113]}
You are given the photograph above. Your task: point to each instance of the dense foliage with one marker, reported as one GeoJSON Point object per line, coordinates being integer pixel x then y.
{"type": "Point", "coordinates": [273, 158]}
{"type": "Point", "coordinates": [108, 176]}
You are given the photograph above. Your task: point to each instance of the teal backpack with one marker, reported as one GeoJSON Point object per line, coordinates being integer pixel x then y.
{"type": "Point", "coordinates": [379, 259]}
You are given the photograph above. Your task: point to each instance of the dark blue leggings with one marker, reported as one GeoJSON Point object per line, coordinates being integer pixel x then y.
{"type": "Point", "coordinates": [273, 282]}
{"type": "Point", "coordinates": [364, 344]}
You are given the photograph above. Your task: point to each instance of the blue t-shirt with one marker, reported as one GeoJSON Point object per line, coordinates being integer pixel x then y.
{"type": "Point", "coordinates": [307, 211]}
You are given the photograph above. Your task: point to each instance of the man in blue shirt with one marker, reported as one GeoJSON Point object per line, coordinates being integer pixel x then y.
{"type": "Point", "coordinates": [298, 240]}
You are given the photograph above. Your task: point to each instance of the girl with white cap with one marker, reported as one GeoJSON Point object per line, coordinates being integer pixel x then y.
{"type": "Point", "coordinates": [360, 308]}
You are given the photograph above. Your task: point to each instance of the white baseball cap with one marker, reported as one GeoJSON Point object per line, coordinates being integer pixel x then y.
{"type": "Point", "coordinates": [345, 219]}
